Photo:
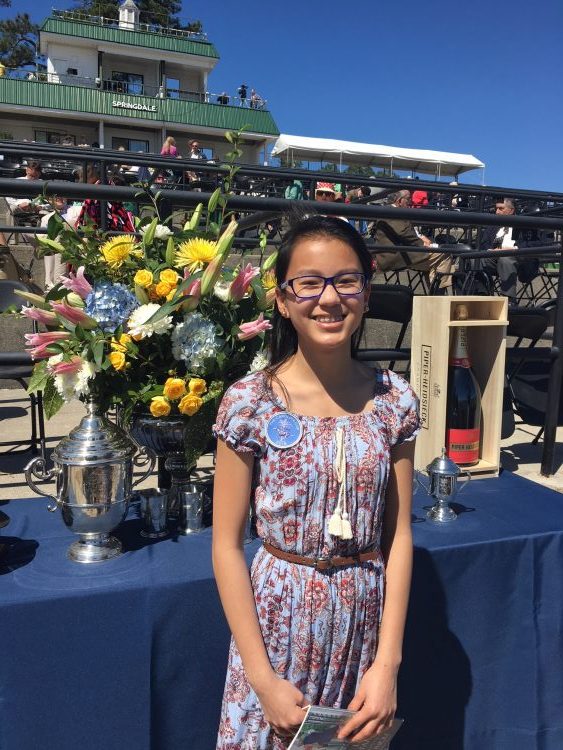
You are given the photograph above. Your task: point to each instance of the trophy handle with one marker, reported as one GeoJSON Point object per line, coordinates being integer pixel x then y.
{"type": "Point", "coordinates": [464, 484]}
{"type": "Point", "coordinates": [144, 456]}
{"type": "Point", "coordinates": [419, 481]}
{"type": "Point", "coordinates": [37, 468]}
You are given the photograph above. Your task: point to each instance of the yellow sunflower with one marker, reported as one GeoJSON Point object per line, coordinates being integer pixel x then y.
{"type": "Point", "coordinates": [195, 253]}
{"type": "Point", "coordinates": [118, 249]}
{"type": "Point", "coordinates": [269, 280]}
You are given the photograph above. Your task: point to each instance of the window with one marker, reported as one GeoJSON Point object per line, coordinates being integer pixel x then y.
{"type": "Point", "coordinates": [173, 88]}
{"type": "Point", "coordinates": [51, 136]}
{"type": "Point", "coordinates": [127, 83]}
{"type": "Point", "coordinates": [130, 144]}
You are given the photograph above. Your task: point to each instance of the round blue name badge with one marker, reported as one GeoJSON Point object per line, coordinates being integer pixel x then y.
{"type": "Point", "coordinates": [283, 430]}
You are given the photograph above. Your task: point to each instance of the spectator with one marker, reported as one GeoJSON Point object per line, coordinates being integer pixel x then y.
{"type": "Point", "coordinates": [28, 210]}
{"type": "Point", "coordinates": [294, 192]}
{"type": "Point", "coordinates": [223, 98]}
{"type": "Point", "coordinates": [392, 232]}
{"type": "Point", "coordinates": [242, 93]}
{"type": "Point", "coordinates": [118, 219]}
{"type": "Point", "coordinates": [169, 148]}
{"type": "Point", "coordinates": [509, 269]}
{"type": "Point", "coordinates": [54, 266]}
{"type": "Point", "coordinates": [256, 101]}
{"type": "Point", "coordinates": [194, 153]}
{"type": "Point", "coordinates": [326, 191]}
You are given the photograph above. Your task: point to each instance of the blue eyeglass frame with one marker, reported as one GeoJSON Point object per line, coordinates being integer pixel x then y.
{"type": "Point", "coordinates": [327, 280]}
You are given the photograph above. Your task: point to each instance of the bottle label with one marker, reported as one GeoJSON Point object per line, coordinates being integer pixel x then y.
{"type": "Point", "coordinates": [460, 362]}
{"type": "Point", "coordinates": [458, 354]}
{"type": "Point", "coordinates": [463, 445]}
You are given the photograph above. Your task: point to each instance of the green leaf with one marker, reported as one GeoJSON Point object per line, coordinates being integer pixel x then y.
{"type": "Point", "coordinates": [98, 351]}
{"type": "Point", "coordinates": [212, 204]}
{"type": "Point", "coordinates": [54, 226]}
{"type": "Point", "coordinates": [141, 294]}
{"type": "Point", "coordinates": [148, 236]}
{"type": "Point", "coordinates": [39, 378]}
{"type": "Point", "coordinates": [229, 136]}
{"type": "Point", "coordinates": [52, 399]}
{"type": "Point", "coordinates": [170, 251]}
{"type": "Point", "coordinates": [48, 247]}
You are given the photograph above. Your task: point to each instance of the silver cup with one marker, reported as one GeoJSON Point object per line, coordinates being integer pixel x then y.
{"type": "Point", "coordinates": [153, 506]}
{"type": "Point", "coordinates": [191, 509]}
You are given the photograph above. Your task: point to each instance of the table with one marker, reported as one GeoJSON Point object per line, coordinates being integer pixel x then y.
{"type": "Point", "coordinates": [132, 652]}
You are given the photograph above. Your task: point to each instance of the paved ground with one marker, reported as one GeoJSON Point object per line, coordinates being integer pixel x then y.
{"type": "Point", "coordinates": [517, 454]}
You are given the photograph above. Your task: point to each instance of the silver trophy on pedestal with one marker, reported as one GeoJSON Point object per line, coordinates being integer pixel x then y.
{"type": "Point", "coordinates": [443, 474]}
{"type": "Point", "coordinates": [93, 468]}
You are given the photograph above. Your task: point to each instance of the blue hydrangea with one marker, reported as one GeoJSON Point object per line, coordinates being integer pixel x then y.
{"type": "Point", "coordinates": [110, 304]}
{"type": "Point", "coordinates": [195, 340]}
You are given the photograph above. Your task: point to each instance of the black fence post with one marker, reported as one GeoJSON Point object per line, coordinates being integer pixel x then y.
{"type": "Point", "coordinates": [554, 385]}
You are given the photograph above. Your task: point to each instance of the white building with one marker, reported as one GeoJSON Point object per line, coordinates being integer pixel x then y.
{"type": "Point", "coordinates": [124, 83]}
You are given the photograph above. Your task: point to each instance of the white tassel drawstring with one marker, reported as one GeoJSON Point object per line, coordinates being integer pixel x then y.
{"type": "Point", "coordinates": [339, 523]}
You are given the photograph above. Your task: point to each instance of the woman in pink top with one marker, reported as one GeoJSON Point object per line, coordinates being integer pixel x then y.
{"type": "Point", "coordinates": [169, 147]}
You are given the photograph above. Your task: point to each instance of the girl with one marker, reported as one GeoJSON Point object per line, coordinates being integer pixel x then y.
{"type": "Point", "coordinates": [326, 445]}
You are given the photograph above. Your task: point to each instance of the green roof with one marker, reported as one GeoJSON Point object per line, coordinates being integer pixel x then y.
{"type": "Point", "coordinates": [135, 38]}
{"type": "Point", "coordinates": [58, 96]}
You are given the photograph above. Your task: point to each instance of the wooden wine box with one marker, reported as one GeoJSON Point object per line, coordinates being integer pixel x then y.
{"type": "Point", "coordinates": [433, 321]}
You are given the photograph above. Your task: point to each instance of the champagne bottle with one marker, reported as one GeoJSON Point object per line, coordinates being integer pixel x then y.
{"type": "Point", "coordinates": [463, 415]}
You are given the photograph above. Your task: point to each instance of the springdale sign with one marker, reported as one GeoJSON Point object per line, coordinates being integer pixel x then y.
{"type": "Point", "coordinates": [133, 105]}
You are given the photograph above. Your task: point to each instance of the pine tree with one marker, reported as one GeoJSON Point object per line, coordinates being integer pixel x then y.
{"type": "Point", "coordinates": [152, 12]}
{"type": "Point", "coordinates": [18, 40]}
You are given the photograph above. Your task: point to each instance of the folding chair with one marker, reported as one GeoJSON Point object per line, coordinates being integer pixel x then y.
{"type": "Point", "coordinates": [393, 303]}
{"type": "Point", "coordinates": [18, 366]}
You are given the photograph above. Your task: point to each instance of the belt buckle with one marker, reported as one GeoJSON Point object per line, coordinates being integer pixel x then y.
{"type": "Point", "coordinates": [322, 564]}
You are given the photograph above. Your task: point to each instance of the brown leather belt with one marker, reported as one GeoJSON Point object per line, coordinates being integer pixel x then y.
{"type": "Point", "coordinates": [322, 563]}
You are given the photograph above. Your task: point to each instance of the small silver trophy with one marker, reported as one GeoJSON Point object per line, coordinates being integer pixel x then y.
{"type": "Point", "coordinates": [443, 474]}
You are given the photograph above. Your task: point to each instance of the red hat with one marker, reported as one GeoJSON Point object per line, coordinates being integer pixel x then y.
{"type": "Point", "coordinates": [419, 198]}
{"type": "Point", "coordinates": [325, 187]}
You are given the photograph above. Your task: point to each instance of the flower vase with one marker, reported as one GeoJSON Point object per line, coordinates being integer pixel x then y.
{"type": "Point", "coordinates": [166, 437]}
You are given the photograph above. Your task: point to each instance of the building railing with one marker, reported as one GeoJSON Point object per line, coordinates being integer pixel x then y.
{"type": "Point", "coordinates": [76, 15]}
{"type": "Point", "coordinates": [134, 89]}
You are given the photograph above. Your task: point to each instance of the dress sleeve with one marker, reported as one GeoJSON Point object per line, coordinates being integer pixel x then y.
{"type": "Point", "coordinates": [236, 422]}
{"type": "Point", "coordinates": [407, 420]}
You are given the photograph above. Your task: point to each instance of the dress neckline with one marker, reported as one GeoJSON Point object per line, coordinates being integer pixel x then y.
{"type": "Point", "coordinates": [352, 417]}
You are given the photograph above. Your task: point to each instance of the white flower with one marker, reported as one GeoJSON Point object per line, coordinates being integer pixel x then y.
{"type": "Point", "coordinates": [72, 382]}
{"type": "Point", "coordinates": [140, 325]}
{"type": "Point", "coordinates": [221, 290]}
{"type": "Point", "coordinates": [259, 362]}
{"type": "Point", "coordinates": [87, 371]}
{"type": "Point", "coordinates": [160, 233]}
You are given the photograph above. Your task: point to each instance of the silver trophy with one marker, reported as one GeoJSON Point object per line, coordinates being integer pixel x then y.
{"type": "Point", "coordinates": [93, 468]}
{"type": "Point", "coordinates": [443, 474]}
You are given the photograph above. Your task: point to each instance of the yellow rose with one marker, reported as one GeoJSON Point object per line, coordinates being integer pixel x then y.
{"type": "Point", "coordinates": [170, 295]}
{"type": "Point", "coordinates": [143, 278]}
{"type": "Point", "coordinates": [121, 345]}
{"type": "Point", "coordinates": [117, 360]}
{"type": "Point", "coordinates": [159, 407]}
{"type": "Point", "coordinates": [190, 404]}
{"type": "Point", "coordinates": [169, 276]}
{"type": "Point", "coordinates": [162, 289]}
{"type": "Point", "coordinates": [174, 388]}
{"type": "Point", "coordinates": [197, 386]}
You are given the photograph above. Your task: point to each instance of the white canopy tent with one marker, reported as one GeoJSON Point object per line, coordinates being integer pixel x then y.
{"type": "Point", "coordinates": [438, 163]}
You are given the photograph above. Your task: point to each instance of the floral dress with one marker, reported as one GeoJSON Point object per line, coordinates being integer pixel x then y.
{"type": "Point", "coordinates": [320, 629]}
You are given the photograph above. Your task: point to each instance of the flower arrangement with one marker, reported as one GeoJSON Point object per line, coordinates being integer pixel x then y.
{"type": "Point", "coordinates": [162, 320]}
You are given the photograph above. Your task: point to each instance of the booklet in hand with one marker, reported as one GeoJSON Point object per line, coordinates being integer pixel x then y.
{"type": "Point", "coordinates": [320, 726]}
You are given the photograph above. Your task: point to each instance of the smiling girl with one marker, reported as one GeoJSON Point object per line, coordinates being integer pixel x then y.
{"type": "Point", "coordinates": [325, 446]}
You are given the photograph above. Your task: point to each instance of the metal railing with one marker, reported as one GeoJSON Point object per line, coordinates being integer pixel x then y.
{"type": "Point", "coordinates": [248, 206]}
{"type": "Point", "coordinates": [76, 15]}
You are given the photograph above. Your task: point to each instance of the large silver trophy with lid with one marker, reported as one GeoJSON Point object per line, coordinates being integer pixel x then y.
{"type": "Point", "coordinates": [93, 468]}
{"type": "Point", "coordinates": [443, 474]}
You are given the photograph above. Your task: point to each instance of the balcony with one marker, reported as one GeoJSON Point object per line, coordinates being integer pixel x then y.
{"type": "Point", "coordinates": [99, 29]}
{"type": "Point", "coordinates": [84, 96]}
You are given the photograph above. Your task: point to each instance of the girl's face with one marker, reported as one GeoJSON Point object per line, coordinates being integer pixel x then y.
{"type": "Point", "coordinates": [328, 321]}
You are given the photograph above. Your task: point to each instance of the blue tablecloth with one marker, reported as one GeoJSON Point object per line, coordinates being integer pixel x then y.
{"type": "Point", "coordinates": [131, 653]}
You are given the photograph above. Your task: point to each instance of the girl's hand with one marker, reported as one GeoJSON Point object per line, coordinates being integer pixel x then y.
{"type": "Point", "coordinates": [375, 702]}
{"type": "Point", "coordinates": [282, 704]}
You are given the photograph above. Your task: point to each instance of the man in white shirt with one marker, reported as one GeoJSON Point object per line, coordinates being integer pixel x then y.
{"type": "Point", "coordinates": [507, 267]}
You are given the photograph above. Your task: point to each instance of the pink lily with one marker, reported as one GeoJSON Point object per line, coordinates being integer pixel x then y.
{"type": "Point", "coordinates": [40, 342]}
{"type": "Point", "coordinates": [252, 329]}
{"type": "Point", "coordinates": [192, 296]}
{"type": "Point", "coordinates": [240, 283]}
{"type": "Point", "coordinates": [46, 317]}
{"type": "Point", "coordinates": [73, 314]}
{"type": "Point", "coordinates": [67, 368]}
{"type": "Point", "coordinates": [77, 283]}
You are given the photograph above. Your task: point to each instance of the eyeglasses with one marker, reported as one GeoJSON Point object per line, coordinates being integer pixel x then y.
{"type": "Point", "coordinates": [309, 287]}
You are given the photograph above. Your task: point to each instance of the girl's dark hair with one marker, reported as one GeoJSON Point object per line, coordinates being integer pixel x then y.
{"type": "Point", "coordinates": [283, 337]}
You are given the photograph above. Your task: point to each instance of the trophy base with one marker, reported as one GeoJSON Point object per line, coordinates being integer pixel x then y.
{"type": "Point", "coordinates": [94, 548]}
{"type": "Point", "coordinates": [441, 514]}
{"type": "Point", "coordinates": [154, 534]}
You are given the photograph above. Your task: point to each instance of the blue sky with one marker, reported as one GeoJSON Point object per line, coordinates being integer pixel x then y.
{"type": "Point", "coordinates": [482, 78]}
